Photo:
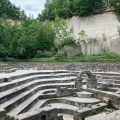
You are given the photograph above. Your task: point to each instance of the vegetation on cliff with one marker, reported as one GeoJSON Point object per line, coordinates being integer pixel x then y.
{"type": "Point", "coordinates": [69, 8]}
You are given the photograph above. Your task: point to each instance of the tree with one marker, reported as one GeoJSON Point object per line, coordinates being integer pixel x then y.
{"type": "Point", "coordinates": [9, 9]}
{"type": "Point", "coordinates": [69, 8]}
{"type": "Point", "coordinates": [23, 16]}
{"type": "Point", "coordinates": [44, 36]}
{"type": "Point", "coordinates": [3, 52]}
{"type": "Point", "coordinates": [63, 34]}
{"type": "Point", "coordinates": [116, 5]}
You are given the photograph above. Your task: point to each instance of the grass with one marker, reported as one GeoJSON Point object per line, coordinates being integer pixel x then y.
{"type": "Point", "coordinates": [60, 57]}
{"type": "Point", "coordinates": [100, 57]}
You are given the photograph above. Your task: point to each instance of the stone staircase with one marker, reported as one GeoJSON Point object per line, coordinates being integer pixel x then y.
{"type": "Point", "coordinates": [22, 90]}
{"type": "Point", "coordinates": [27, 90]}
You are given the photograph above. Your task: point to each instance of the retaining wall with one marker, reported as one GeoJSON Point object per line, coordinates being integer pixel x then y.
{"type": "Point", "coordinates": [115, 99]}
{"type": "Point", "coordinates": [75, 66]}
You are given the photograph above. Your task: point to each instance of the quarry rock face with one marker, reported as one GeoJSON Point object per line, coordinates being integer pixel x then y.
{"type": "Point", "coordinates": [95, 25]}
{"type": "Point", "coordinates": [103, 27]}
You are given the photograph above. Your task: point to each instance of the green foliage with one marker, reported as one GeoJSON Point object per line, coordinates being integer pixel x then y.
{"type": "Point", "coordinates": [109, 55]}
{"type": "Point", "coordinates": [9, 10]}
{"type": "Point", "coordinates": [79, 55]}
{"type": "Point", "coordinates": [62, 57]}
{"type": "Point", "coordinates": [82, 35]}
{"type": "Point", "coordinates": [43, 55]}
{"type": "Point", "coordinates": [69, 8]}
{"type": "Point", "coordinates": [104, 37]}
{"type": "Point", "coordinates": [116, 5]}
{"type": "Point", "coordinates": [63, 34]}
{"type": "Point", "coordinates": [3, 52]}
{"type": "Point", "coordinates": [118, 29]}
{"type": "Point", "coordinates": [100, 57]}
{"type": "Point", "coordinates": [45, 37]}
{"type": "Point", "coordinates": [23, 40]}
{"type": "Point", "coordinates": [83, 7]}
{"type": "Point", "coordinates": [59, 56]}
{"type": "Point", "coordinates": [67, 41]}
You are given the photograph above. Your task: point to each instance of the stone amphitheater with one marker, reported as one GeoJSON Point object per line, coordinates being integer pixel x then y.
{"type": "Point", "coordinates": [60, 91]}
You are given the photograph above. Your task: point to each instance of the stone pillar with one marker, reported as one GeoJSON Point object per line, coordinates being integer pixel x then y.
{"type": "Point", "coordinates": [78, 85]}
{"type": "Point", "coordinates": [92, 82]}
{"type": "Point", "coordinates": [58, 91]}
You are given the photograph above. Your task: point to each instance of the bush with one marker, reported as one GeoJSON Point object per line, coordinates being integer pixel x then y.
{"type": "Point", "coordinates": [42, 55]}
{"type": "Point", "coordinates": [79, 54]}
{"type": "Point", "coordinates": [59, 56]}
{"type": "Point", "coordinates": [67, 41]}
{"type": "Point", "coordinates": [116, 5]}
{"type": "Point", "coordinates": [3, 52]}
{"type": "Point", "coordinates": [106, 55]}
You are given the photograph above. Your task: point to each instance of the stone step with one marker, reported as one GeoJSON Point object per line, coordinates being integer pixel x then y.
{"type": "Point", "coordinates": [74, 101]}
{"type": "Point", "coordinates": [84, 94]}
{"type": "Point", "coordinates": [115, 85]}
{"type": "Point", "coordinates": [37, 82]}
{"type": "Point", "coordinates": [6, 95]}
{"type": "Point", "coordinates": [37, 105]}
{"type": "Point", "coordinates": [109, 84]}
{"type": "Point", "coordinates": [117, 81]}
{"type": "Point", "coordinates": [12, 103]}
{"type": "Point", "coordinates": [22, 81]}
{"type": "Point", "coordinates": [66, 74]}
{"type": "Point", "coordinates": [25, 73]}
{"type": "Point", "coordinates": [64, 108]}
{"type": "Point", "coordinates": [106, 80]}
{"type": "Point", "coordinates": [27, 104]}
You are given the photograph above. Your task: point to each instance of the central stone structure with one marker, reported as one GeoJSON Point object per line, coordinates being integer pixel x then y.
{"type": "Point", "coordinates": [91, 81]}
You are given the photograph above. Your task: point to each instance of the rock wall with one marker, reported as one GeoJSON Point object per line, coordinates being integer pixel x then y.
{"type": "Point", "coordinates": [71, 50]}
{"type": "Point", "coordinates": [74, 66]}
{"type": "Point", "coordinates": [103, 27]}
{"type": "Point", "coordinates": [95, 25]}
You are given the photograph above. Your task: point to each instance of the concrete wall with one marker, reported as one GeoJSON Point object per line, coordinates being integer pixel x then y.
{"type": "Point", "coordinates": [72, 50]}
{"type": "Point", "coordinates": [91, 48]}
{"type": "Point", "coordinates": [95, 26]}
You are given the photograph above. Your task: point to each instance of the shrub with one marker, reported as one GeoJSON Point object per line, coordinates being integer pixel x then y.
{"type": "Point", "coordinates": [3, 52]}
{"type": "Point", "coordinates": [116, 5]}
{"type": "Point", "coordinates": [42, 55]}
{"type": "Point", "coordinates": [66, 41]}
{"type": "Point", "coordinates": [79, 54]}
{"type": "Point", "coordinates": [59, 56]}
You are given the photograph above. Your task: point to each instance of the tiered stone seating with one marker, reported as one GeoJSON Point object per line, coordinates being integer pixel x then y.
{"type": "Point", "coordinates": [27, 90]}
{"type": "Point", "coordinates": [113, 79]}
{"type": "Point", "coordinates": [24, 89]}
